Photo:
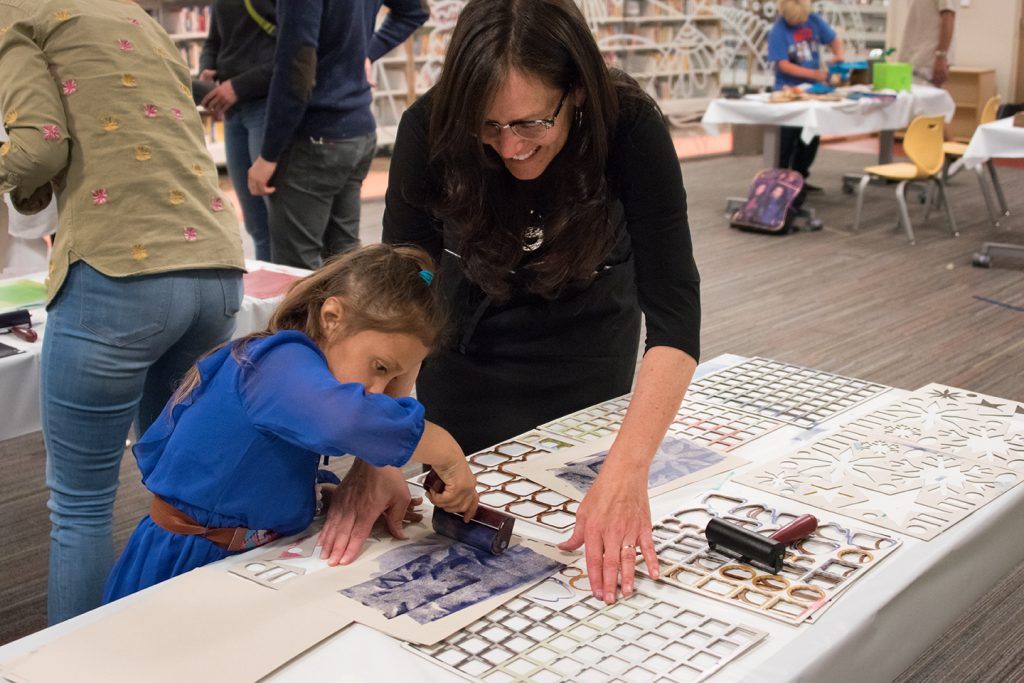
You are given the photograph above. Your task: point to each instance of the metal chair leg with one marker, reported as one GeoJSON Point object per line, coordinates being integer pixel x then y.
{"type": "Point", "coordinates": [901, 199]}
{"type": "Point", "coordinates": [998, 188]}
{"type": "Point", "coordinates": [945, 202]}
{"type": "Point", "coordinates": [951, 167]}
{"type": "Point", "coordinates": [933, 199]}
{"type": "Point", "coordinates": [860, 201]}
{"type": "Point", "coordinates": [992, 216]}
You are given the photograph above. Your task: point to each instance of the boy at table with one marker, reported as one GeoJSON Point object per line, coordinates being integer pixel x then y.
{"type": "Point", "coordinates": [794, 46]}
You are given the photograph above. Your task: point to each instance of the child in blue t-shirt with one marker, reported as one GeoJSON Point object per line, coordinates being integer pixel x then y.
{"type": "Point", "coordinates": [232, 460]}
{"type": "Point", "coordinates": [794, 46]}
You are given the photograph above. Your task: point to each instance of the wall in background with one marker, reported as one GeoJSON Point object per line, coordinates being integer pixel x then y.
{"type": "Point", "coordinates": [987, 34]}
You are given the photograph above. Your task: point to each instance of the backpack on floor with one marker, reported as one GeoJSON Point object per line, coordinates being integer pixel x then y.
{"type": "Point", "coordinates": [770, 203]}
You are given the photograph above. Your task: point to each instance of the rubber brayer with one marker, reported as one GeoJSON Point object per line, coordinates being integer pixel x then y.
{"type": "Point", "coordinates": [489, 530]}
{"type": "Point", "coordinates": [758, 550]}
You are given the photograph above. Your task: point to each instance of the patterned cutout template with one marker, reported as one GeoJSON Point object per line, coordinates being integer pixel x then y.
{"type": "Point", "coordinates": [678, 461]}
{"type": "Point", "coordinates": [963, 423]}
{"type": "Point", "coordinates": [719, 427]}
{"type": "Point", "coordinates": [591, 423]}
{"type": "Point", "coordinates": [883, 481]}
{"type": "Point", "coordinates": [816, 570]}
{"type": "Point", "coordinates": [646, 637]}
{"type": "Point", "coordinates": [516, 495]}
{"type": "Point", "coordinates": [800, 396]}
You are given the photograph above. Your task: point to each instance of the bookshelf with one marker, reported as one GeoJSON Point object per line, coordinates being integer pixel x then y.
{"type": "Point", "coordinates": [681, 51]}
{"type": "Point", "coordinates": [669, 46]}
{"type": "Point", "coordinates": [970, 88]}
{"type": "Point", "coordinates": [187, 26]}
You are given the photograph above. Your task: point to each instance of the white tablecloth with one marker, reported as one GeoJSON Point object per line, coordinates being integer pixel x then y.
{"type": "Point", "coordinates": [19, 375]}
{"type": "Point", "coordinates": [845, 117]}
{"type": "Point", "coordinates": [872, 633]}
{"type": "Point", "coordinates": [996, 140]}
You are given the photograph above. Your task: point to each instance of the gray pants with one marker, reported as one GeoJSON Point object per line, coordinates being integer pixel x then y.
{"type": "Point", "coordinates": [314, 212]}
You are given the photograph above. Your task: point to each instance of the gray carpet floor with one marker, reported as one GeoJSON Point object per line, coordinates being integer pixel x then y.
{"type": "Point", "coordinates": [864, 304]}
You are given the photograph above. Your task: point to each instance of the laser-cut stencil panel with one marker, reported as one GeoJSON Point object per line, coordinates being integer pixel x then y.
{"type": "Point", "coordinates": [800, 396]}
{"type": "Point", "coordinates": [719, 427]}
{"type": "Point", "coordinates": [516, 495]}
{"type": "Point", "coordinates": [677, 462]}
{"type": "Point", "coordinates": [960, 422]}
{"type": "Point", "coordinates": [883, 481]}
{"type": "Point", "coordinates": [646, 637]}
{"type": "Point", "coordinates": [816, 570]}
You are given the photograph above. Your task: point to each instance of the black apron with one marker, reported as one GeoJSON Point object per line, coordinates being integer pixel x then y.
{"type": "Point", "coordinates": [510, 367]}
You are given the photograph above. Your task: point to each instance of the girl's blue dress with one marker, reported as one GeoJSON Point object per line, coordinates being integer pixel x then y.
{"type": "Point", "coordinates": [242, 450]}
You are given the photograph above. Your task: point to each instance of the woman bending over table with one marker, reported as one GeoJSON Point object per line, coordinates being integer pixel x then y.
{"type": "Point", "coordinates": [548, 188]}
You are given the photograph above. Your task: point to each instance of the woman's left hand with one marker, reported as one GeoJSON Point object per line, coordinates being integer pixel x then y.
{"type": "Point", "coordinates": [614, 520]}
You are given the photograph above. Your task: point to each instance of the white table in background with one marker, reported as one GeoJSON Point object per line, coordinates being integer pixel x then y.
{"type": "Point", "coordinates": [19, 374]}
{"type": "Point", "coordinates": [844, 117]}
{"type": "Point", "coordinates": [995, 140]}
{"type": "Point", "coordinates": [873, 632]}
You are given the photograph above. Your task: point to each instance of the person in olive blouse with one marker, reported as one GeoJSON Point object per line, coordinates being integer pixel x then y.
{"type": "Point", "coordinates": [145, 273]}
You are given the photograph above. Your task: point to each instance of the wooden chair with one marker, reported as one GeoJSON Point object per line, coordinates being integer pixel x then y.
{"type": "Point", "coordinates": [923, 144]}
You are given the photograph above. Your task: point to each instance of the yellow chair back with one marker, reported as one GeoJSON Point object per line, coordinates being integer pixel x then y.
{"type": "Point", "coordinates": [989, 111]}
{"type": "Point", "coordinates": [923, 144]}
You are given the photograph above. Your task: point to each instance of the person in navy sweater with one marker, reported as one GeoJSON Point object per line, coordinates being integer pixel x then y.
{"type": "Point", "coordinates": [320, 132]}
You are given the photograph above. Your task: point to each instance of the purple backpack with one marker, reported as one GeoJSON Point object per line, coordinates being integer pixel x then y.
{"type": "Point", "coordinates": [771, 198]}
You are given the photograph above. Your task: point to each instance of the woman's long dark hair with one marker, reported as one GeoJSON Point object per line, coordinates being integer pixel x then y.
{"type": "Point", "coordinates": [549, 40]}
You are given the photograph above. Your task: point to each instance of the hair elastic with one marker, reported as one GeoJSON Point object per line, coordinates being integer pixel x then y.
{"type": "Point", "coordinates": [427, 276]}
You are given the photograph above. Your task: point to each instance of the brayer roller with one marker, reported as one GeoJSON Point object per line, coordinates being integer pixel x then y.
{"type": "Point", "coordinates": [489, 530]}
{"type": "Point", "coordinates": [768, 551]}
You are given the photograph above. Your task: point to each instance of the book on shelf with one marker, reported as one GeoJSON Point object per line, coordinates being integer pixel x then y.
{"type": "Point", "coordinates": [187, 20]}
{"type": "Point", "coordinates": [190, 53]}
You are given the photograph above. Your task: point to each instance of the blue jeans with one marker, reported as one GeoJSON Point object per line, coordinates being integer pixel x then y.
{"type": "Point", "coordinates": [113, 352]}
{"type": "Point", "coordinates": [314, 211]}
{"type": "Point", "coordinates": [243, 136]}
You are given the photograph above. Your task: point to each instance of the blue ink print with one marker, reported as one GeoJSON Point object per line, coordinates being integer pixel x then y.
{"type": "Point", "coordinates": [433, 580]}
{"type": "Point", "coordinates": [676, 458]}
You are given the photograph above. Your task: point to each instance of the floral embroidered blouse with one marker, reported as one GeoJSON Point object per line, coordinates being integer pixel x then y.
{"type": "Point", "coordinates": [97, 102]}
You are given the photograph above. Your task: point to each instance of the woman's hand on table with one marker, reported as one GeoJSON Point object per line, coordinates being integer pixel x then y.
{"type": "Point", "coordinates": [614, 520]}
{"type": "Point", "coordinates": [365, 494]}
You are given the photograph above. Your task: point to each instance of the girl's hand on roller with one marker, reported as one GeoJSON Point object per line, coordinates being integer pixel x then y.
{"type": "Point", "coordinates": [459, 495]}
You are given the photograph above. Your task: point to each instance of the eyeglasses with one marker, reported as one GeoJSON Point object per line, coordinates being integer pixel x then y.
{"type": "Point", "coordinates": [527, 130]}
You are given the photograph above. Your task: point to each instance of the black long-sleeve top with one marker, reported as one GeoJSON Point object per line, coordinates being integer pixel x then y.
{"type": "Point", "coordinates": [238, 49]}
{"type": "Point", "coordinates": [644, 175]}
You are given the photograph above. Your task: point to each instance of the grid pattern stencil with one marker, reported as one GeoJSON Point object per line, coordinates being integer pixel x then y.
{"type": "Point", "coordinates": [800, 396]}
{"type": "Point", "coordinates": [719, 427]}
{"type": "Point", "coordinates": [645, 637]}
{"type": "Point", "coordinates": [714, 426]}
{"type": "Point", "coordinates": [591, 423]}
{"type": "Point", "coordinates": [815, 571]}
{"type": "Point", "coordinates": [516, 495]}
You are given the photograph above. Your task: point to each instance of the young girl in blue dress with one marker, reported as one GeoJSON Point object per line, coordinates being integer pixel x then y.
{"type": "Point", "coordinates": [232, 459]}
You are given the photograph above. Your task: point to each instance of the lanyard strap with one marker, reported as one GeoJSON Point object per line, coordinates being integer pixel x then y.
{"type": "Point", "coordinates": [260, 20]}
